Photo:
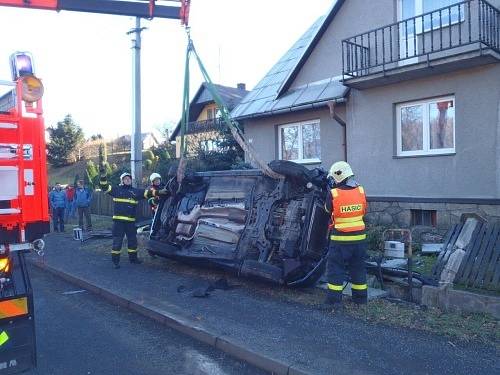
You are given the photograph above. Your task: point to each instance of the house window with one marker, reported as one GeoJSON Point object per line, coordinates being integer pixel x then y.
{"type": "Point", "coordinates": [210, 114]}
{"type": "Point", "coordinates": [423, 217]}
{"type": "Point", "coordinates": [209, 145]}
{"type": "Point", "coordinates": [426, 127]}
{"type": "Point", "coordinates": [300, 142]}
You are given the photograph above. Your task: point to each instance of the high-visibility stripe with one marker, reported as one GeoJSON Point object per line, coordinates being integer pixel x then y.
{"type": "Point", "coordinates": [146, 194]}
{"type": "Point", "coordinates": [125, 200]}
{"type": "Point", "coordinates": [358, 237]}
{"type": "Point", "coordinates": [13, 307]}
{"type": "Point", "coordinates": [116, 252]}
{"type": "Point", "coordinates": [124, 218]}
{"type": "Point", "coordinates": [349, 219]}
{"type": "Point", "coordinates": [4, 264]}
{"type": "Point", "coordinates": [360, 225]}
{"type": "Point", "coordinates": [132, 250]}
{"type": "Point", "coordinates": [359, 286]}
{"type": "Point", "coordinates": [335, 193]}
{"type": "Point", "coordinates": [109, 189]}
{"type": "Point", "coordinates": [4, 337]}
{"type": "Point", "coordinates": [337, 288]}
{"type": "Point", "coordinates": [361, 190]}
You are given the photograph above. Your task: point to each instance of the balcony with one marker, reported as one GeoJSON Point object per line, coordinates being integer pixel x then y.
{"type": "Point", "coordinates": [204, 126]}
{"type": "Point", "coordinates": [458, 36]}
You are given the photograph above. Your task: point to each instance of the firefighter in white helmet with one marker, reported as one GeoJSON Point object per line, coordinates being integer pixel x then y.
{"type": "Point", "coordinates": [156, 184]}
{"type": "Point", "coordinates": [346, 203]}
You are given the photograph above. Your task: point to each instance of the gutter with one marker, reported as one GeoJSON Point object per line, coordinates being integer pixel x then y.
{"type": "Point", "coordinates": [290, 109]}
{"type": "Point", "coordinates": [336, 117]}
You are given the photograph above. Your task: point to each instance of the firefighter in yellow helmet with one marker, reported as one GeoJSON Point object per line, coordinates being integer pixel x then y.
{"type": "Point", "coordinates": [346, 202]}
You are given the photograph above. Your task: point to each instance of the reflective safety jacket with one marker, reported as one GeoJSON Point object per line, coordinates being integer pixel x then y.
{"type": "Point", "coordinates": [348, 208]}
{"type": "Point", "coordinates": [155, 200]}
{"type": "Point", "coordinates": [125, 199]}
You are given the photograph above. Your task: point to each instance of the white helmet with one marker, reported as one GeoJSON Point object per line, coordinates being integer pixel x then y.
{"type": "Point", "coordinates": [340, 171]}
{"type": "Point", "coordinates": [154, 176]}
{"type": "Point", "coordinates": [123, 175]}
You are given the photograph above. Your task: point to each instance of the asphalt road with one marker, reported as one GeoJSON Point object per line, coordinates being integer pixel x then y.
{"type": "Point", "coordinates": [77, 333]}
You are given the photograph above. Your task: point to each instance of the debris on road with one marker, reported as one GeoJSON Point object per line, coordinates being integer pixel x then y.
{"type": "Point", "coordinates": [203, 290]}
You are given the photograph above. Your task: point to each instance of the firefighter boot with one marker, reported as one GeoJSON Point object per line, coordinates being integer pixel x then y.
{"type": "Point", "coordinates": [132, 256]}
{"type": "Point", "coordinates": [116, 260]}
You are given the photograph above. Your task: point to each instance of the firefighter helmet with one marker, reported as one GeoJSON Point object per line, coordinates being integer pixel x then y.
{"type": "Point", "coordinates": [154, 176]}
{"type": "Point", "coordinates": [125, 174]}
{"type": "Point", "coordinates": [340, 171]}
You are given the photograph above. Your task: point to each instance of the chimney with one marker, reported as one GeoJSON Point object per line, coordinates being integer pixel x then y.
{"type": "Point", "coordinates": [241, 86]}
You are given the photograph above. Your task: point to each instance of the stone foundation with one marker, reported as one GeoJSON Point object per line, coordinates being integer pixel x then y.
{"type": "Point", "coordinates": [397, 214]}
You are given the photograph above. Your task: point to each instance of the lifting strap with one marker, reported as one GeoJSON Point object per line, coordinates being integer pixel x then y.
{"type": "Point", "coordinates": [231, 124]}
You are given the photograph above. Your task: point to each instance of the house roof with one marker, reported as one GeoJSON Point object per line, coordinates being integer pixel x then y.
{"type": "Point", "coordinates": [128, 137]}
{"type": "Point", "coordinates": [230, 96]}
{"type": "Point", "coordinates": [272, 95]}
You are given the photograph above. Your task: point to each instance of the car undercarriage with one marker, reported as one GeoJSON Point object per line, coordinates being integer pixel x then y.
{"type": "Point", "coordinates": [270, 229]}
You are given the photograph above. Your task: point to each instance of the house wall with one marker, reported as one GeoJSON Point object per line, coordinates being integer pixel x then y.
{"type": "Point", "coordinates": [326, 59]}
{"type": "Point", "coordinates": [193, 142]}
{"type": "Point", "coordinates": [263, 134]}
{"type": "Point", "coordinates": [470, 173]}
{"type": "Point", "coordinates": [194, 139]}
{"type": "Point", "coordinates": [203, 114]}
{"type": "Point", "coordinates": [360, 16]}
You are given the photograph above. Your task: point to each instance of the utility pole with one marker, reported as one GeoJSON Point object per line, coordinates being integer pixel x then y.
{"type": "Point", "coordinates": [136, 138]}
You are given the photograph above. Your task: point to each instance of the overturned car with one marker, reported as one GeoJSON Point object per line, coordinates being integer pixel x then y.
{"type": "Point", "coordinates": [271, 229]}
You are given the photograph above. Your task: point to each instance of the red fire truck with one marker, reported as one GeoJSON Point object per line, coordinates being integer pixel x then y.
{"type": "Point", "coordinates": [24, 213]}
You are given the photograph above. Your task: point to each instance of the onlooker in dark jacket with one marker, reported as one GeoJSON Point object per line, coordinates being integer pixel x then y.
{"type": "Point", "coordinates": [58, 204]}
{"type": "Point", "coordinates": [83, 198]}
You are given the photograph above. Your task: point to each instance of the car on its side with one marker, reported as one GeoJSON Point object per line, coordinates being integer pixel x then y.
{"type": "Point", "coordinates": [271, 229]}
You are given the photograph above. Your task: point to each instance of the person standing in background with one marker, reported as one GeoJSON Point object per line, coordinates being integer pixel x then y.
{"type": "Point", "coordinates": [58, 204]}
{"type": "Point", "coordinates": [83, 198]}
{"type": "Point", "coordinates": [70, 203]}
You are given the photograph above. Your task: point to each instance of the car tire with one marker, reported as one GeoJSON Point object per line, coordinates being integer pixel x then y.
{"type": "Point", "coordinates": [289, 169]}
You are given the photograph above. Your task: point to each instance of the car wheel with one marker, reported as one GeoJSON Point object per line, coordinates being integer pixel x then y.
{"type": "Point", "coordinates": [289, 169]}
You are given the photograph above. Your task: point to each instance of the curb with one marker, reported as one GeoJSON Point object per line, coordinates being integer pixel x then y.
{"type": "Point", "coordinates": [180, 324]}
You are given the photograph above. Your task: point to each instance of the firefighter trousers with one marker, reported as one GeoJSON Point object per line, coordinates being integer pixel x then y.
{"type": "Point", "coordinates": [351, 256]}
{"type": "Point", "coordinates": [121, 229]}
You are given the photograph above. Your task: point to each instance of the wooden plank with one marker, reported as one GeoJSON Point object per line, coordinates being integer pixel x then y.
{"type": "Point", "coordinates": [471, 277]}
{"type": "Point", "coordinates": [471, 253]}
{"type": "Point", "coordinates": [494, 264]}
{"type": "Point", "coordinates": [485, 261]}
{"type": "Point", "coordinates": [495, 282]}
{"type": "Point", "coordinates": [483, 267]}
{"type": "Point", "coordinates": [446, 243]}
{"type": "Point", "coordinates": [470, 256]}
{"type": "Point", "coordinates": [449, 250]}
{"type": "Point", "coordinates": [491, 239]}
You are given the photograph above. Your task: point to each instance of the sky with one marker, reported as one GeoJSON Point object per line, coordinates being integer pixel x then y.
{"type": "Point", "coordinates": [85, 60]}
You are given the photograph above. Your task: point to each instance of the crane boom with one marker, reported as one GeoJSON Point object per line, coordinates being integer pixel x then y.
{"type": "Point", "coordinates": [135, 8]}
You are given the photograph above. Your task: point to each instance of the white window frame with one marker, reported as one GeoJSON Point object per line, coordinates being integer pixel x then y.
{"type": "Point", "coordinates": [419, 10]}
{"type": "Point", "coordinates": [301, 145]}
{"type": "Point", "coordinates": [426, 129]}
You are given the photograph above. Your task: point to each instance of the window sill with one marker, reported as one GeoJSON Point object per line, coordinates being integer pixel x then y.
{"type": "Point", "coordinates": [423, 155]}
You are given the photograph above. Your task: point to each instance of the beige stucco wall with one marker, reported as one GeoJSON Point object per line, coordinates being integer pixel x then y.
{"type": "Point", "coordinates": [263, 134]}
{"type": "Point", "coordinates": [472, 172]}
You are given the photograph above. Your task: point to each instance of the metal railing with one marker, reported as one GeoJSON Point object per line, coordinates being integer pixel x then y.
{"type": "Point", "coordinates": [447, 30]}
{"type": "Point", "coordinates": [203, 126]}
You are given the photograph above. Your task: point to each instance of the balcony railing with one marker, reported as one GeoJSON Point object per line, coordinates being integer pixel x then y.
{"type": "Point", "coordinates": [458, 28]}
{"type": "Point", "coordinates": [204, 126]}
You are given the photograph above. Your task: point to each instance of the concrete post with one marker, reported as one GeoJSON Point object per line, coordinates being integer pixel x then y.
{"type": "Point", "coordinates": [136, 138]}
